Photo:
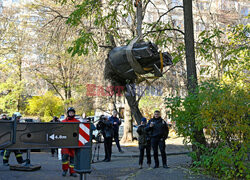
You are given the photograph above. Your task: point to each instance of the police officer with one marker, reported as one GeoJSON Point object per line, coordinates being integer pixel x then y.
{"type": "Point", "coordinates": [116, 122]}
{"type": "Point", "coordinates": [68, 154]}
{"type": "Point", "coordinates": [18, 153]}
{"type": "Point", "coordinates": [144, 143]}
{"type": "Point", "coordinates": [107, 131]}
{"type": "Point", "coordinates": [158, 130]}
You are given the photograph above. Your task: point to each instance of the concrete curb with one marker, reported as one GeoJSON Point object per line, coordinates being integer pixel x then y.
{"type": "Point", "coordinates": [137, 155]}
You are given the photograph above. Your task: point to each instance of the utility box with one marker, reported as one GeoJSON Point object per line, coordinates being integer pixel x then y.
{"type": "Point", "coordinates": [83, 155]}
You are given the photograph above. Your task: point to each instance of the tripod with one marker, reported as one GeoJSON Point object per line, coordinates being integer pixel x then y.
{"type": "Point", "coordinates": [97, 147]}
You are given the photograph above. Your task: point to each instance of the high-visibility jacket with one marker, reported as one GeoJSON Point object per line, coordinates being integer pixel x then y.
{"type": "Point", "coordinates": [69, 151]}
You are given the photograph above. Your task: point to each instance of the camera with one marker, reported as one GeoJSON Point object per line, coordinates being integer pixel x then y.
{"type": "Point", "coordinates": [98, 137]}
{"type": "Point", "coordinates": [101, 123]}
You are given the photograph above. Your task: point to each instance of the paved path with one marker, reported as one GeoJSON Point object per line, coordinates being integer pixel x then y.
{"type": "Point", "coordinates": [122, 166]}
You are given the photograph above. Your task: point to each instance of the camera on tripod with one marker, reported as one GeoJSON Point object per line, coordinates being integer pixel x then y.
{"type": "Point", "coordinates": [98, 137]}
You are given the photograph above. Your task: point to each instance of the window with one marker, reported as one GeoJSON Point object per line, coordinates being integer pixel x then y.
{"type": "Point", "coordinates": [203, 5]}
{"type": "Point", "coordinates": [1, 6]}
{"type": "Point", "coordinates": [228, 5]}
{"type": "Point", "coordinates": [244, 11]}
{"type": "Point", "coordinates": [176, 3]}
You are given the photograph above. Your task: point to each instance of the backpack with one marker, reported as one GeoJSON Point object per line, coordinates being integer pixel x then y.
{"type": "Point", "coordinates": [165, 130]}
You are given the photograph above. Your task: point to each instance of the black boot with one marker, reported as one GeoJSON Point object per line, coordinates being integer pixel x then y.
{"type": "Point", "coordinates": [156, 166]}
{"type": "Point", "coordinates": [64, 173]}
{"type": "Point", "coordinates": [165, 166]}
{"type": "Point", "coordinates": [73, 174]}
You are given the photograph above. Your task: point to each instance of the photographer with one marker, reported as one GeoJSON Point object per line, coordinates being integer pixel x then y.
{"type": "Point", "coordinates": [107, 131]}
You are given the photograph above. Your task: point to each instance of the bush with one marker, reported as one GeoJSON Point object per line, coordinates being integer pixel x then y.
{"type": "Point", "coordinates": [45, 106]}
{"type": "Point", "coordinates": [221, 110]}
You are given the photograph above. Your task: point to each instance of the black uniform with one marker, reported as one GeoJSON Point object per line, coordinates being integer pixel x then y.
{"type": "Point", "coordinates": [17, 153]}
{"type": "Point", "coordinates": [108, 133]}
{"type": "Point", "coordinates": [158, 134]}
{"type": "Point", "coordinates": [144, 143]}
{"type": "Point", "coordinates": [114, 120]}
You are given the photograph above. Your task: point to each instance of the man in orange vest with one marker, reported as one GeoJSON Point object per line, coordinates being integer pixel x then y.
{"type": "Point", "coordinates": [69, 153]}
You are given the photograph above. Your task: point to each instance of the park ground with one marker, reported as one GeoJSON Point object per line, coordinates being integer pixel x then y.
{"type": "Point", "coordinates": [123, 166]}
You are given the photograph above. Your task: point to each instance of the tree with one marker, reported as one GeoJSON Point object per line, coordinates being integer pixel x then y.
{"type": "Point", "coordinates": [116, 22]}
{"type": "Point", "coordinates": [46, 106]}
{"type": "Point", "coordinates": [226, 52]}
{"type": "Point", "coordinates": [14, 56]}
{"type": "Point", "coordinates": [191, 65]}
{"type": "Point", "coordinates": [66, 75]}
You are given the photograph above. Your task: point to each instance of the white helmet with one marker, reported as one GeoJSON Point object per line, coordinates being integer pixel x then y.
{"type": "Point", "coordinates": [18, 114]}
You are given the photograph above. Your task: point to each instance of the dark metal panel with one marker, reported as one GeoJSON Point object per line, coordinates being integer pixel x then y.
{"type": "Point", "coordinates": [40, 135]}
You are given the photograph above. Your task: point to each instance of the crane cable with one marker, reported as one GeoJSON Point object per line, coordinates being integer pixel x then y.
{"type": "Point", "coordinates": [132, 61]}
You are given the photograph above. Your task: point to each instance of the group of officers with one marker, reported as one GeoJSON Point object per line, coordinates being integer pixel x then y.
{"type": "Point", "coordinates": [151, 134]}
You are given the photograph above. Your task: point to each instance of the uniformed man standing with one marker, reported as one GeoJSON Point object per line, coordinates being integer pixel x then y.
{"type": "Point", "coordinates": [158, 130]}
{"type": "Point", "coordinates": [68, 154]}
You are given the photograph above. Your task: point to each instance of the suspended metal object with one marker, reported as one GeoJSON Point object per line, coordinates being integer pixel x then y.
{"type": "Point", "coordinates": [145, 54]}
{"type": "Point", "coordinates": [138, 57]}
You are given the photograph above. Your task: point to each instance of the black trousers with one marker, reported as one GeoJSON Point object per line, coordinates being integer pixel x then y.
{"type": "Point", "coordinates": [53, 150]}
{"type": "Point", "coordinates": [108, 147]}
{"type": "Point", "coordinates": [142, 150]}
{"type": "Point", "coordinates": [155, 142]}
{"type": "Point", "coordinates": [116, 138]}
{"type": "Point", "coordinates": [18, 155]}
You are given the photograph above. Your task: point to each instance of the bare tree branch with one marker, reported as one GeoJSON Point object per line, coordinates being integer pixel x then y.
{"type": "Point", "coordinates": [50, 82]}
{"type": "Point", "coordinates": [164, 15]}
{"type": "Point", "coordinates": [166, 29]}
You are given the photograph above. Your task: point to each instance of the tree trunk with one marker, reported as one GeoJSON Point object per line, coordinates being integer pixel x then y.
{"type": "Point", "coordinates": [128, 125]}
{"type": "Point", "coordinates": [133, 104]}
{"type": "Point", "coordinates": [131, 108]}
{"type": "Point", "coordinates": [189, 46]}
{"type": "Point", "coordinates": [20, 79]}
{"type": "Point", "coordinates": [191, 65]}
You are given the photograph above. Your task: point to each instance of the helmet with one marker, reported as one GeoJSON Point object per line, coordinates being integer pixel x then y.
{"type": "Point", "coordinates": [70, 109]}
{"type": "Point", "coordinates": [17, 114]}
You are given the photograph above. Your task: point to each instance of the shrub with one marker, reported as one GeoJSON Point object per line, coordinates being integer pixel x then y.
{"type": "Point", "coordinates": [45, 106]}
{"type": "Point", "coordinates": [221, 110]}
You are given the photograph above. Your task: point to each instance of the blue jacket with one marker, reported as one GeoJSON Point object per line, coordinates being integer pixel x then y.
{"type": "Point", "coordinates": [113, 119]}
